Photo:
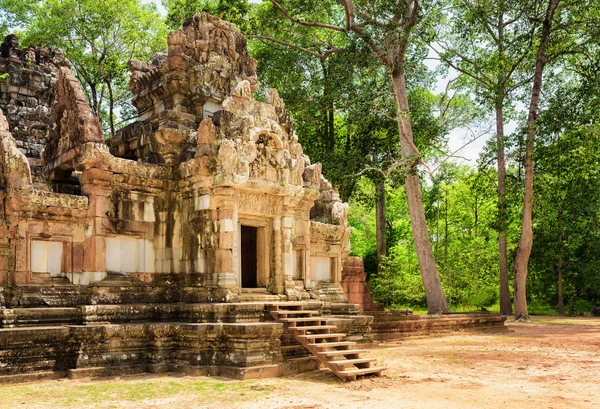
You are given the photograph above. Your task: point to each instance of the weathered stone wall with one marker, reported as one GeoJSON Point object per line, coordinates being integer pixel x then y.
{"type": "Point", "coordinates": [26, 95]}
{"type": "Point", "coordinates": [395, 325]}
{"type": "Point", "coordinates": [237, 350]}
{"type": "Point", "coordinates": [206, 60]}
{"type": "Point", "coordinates": [231, 339]}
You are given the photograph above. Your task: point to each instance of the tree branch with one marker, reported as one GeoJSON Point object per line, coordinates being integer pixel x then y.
{"type": "Point", "coordinates": [306, 23]}
{"type": "Point", "coordinates": [320, 56]}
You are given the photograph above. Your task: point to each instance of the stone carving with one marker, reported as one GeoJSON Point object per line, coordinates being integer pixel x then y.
{"type": "Point", "coordinates": [73, 122]}
{"type": "Point", "coordinates": [205, 62]}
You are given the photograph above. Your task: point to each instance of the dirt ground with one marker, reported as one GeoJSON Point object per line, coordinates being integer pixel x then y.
{"type": "Point", "coordinates": [551, 363]}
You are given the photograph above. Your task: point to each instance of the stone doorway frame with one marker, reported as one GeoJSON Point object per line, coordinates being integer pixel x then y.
{"type": "Point", "coordinates": [249, 256]}
{"type": "Point", "coordinates": [264, 240]}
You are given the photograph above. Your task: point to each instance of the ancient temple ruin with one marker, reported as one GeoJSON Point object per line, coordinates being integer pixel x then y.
{"type": "Point", "coordinates": [208, 191]}
{"type": "Point", "coordinates": [193, 239]}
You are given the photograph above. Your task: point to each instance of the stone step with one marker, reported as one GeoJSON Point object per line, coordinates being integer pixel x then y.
{"type": "Point", "coordinates": [332, 344]}
{"type": "Point", "coordinates": [343, 352]}
{"type": "Point", "coordinates": [312, 331]}
{"type": "Point", "coordinates": [301, 320]}
{"type": "Point", "coordinates": [322, 336]}
{"type": "Point", "coordinates": [346, 362]}
{"type": "Point", "coordinates": [285, 307]}
{"type": "Point", "coordinates": [351, 374]}
{"type": "Point", "coordinates": [313, 328]}
{"type": "Point", "coordinates": [295, 312]}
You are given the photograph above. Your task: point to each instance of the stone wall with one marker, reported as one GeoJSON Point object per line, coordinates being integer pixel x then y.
{"type": "Point", "coordinates": [355, 285]}
{"type": "Point", "coordinates": [27, 93]}
{"type": "Point", "coordinates": [235, 350]}
{"type": "Point", "coordinates": [395, 325]}
{"type": "Point", "coordinates": [230, 339]}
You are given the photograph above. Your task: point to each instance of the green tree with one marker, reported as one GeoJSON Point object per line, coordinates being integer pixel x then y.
{"type": "Point", "coordinates": [98, 37]}
{"type": "Point", "coordinates": [384, 28]}
{"type": "Point", "coordinates": [566, 209]}
{"type": "Point", "coordinates": [235, 11]}
{"type": "Point", "coordinates": [330, 74]}
{"type": "Point", "coordinates": [488, 42]}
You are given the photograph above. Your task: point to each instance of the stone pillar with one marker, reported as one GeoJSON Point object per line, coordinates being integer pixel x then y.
{"type": "Point", "coordinates": [205, 234]}
{"type": "Point", "coordinates": [6, 257]}
{"type": "Point", "coordinates": [287, 223]}
{"type": "Point", "coordinates": [302, 231]}
{"type": "Point", "coordinates": [286, 237]}
{"type": "Point", "coordinates": [20, 269]}
{"type": "Point", "coordinates": [95, 183]}
{"type": "Point", "coordinates": [355, 285]}
{"type": "Point", "coordinates": [226, 228]}
{"type": "Point", "coordinates": [278, 284]}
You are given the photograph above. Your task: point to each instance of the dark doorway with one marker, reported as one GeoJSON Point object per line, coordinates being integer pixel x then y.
{"type": "Point", "coordinates": [249, 259]}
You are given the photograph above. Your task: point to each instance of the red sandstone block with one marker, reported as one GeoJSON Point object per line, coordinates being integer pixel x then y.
{"type": "Point", "coordinates": [94, 175]}
{"type": "Point", "coordinates": [77, 257]}
{"type": "Point", "coordinates": [67, 257]}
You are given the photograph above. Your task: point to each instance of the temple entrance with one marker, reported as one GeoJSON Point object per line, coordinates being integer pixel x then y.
{"type": "Point", "coordinates": [249, 257]}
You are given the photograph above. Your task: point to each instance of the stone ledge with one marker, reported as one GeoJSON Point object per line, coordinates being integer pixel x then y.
{"type": "Point", "coordinates": [390, 325]}
{"type": "Point", "coordinates": [32, 377]}
{"type": "Point", "coordinates": [105, 350]}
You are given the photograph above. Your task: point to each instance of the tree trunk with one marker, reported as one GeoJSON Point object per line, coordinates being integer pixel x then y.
{"type": "Point", "coordinates": [559, 217]}
{"type": "Point", "coordinates": [437, 222]}
{"type": "Point", "coordinates": [95, 103]}
{"type": "Point", "coordinates": [381, 222]}
{"type": "Point", "coordinates": [526, 239]}
{"type": "Point", "coordinates": [436, 300]}
{"type": "Point", "coordinates": [446, 240]}
{"type": "Point", "coordinates": [561, 305]}
{"type": "Point", "coordinates": [331, 120]}
{"type": "Point", "coordinates": [111, 104]}
{"type": "Point", "coordinates": [505, 304]}
{"type": "Point", "coordinates": [327, 111]}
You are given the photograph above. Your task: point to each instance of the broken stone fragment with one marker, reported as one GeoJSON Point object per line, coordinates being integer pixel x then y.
{"type": "Point", "coordinates": [136, 65]}
{"type": "Point", "coordinates": [242, 90]}
{"type": "Point", "coordinates": [312, 175]}
{"type": "Point", "coordinates": [272, 98]}
{"type": "Point", "coordinates": [13, 163]}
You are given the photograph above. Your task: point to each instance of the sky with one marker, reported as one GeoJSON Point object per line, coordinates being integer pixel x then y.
{"type": "Point", "coordinates": [456, 139]}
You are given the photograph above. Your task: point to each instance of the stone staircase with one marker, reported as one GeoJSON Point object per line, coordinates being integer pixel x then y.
{"type": "Point", "coordinates": [321, 340]}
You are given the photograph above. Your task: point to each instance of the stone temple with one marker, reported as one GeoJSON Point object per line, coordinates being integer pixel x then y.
{"type": "Point", "coordinates": [197, 239]}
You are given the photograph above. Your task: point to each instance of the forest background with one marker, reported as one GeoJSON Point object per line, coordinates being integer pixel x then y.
{"type": "Point", "coordinates": [342, 101]}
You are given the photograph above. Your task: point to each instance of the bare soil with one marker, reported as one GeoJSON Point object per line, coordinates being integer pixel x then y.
{"type": "Point", "coordinates": [550, 363]}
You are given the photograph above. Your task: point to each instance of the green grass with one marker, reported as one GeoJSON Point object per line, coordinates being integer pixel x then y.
{"type": "Point", "coordinates": [533, 307]}
{"type": "Point", "coordinates": [67, 393]}
{"type": "Point", "coordinates": [591, 321]}
{"type": "Point", "coordinates": [538, 309]}
{"type": "Point", "coordinates": [455, 308]}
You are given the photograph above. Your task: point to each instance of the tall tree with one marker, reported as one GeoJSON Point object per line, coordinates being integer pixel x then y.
{"type": "Point", "coordinates": [384, 27]}
{"type": "Point", "coordinates": [566, 209]}
{"type": "Point", "coordinates": [526, 239]}
{"type": "Point", "coordinates": [488, 43]}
